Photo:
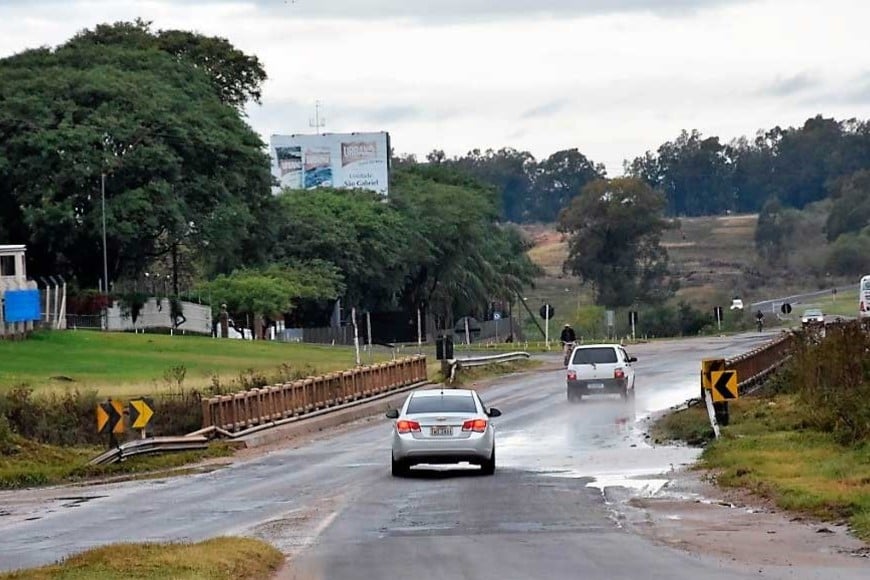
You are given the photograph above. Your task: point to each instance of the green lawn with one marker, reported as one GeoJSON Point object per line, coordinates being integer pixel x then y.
{"type": "Point", "coordinates": [124, 364]}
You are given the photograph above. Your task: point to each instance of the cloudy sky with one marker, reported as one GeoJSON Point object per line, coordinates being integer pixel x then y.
{"type": "Point", "coordinates": [613, 78]}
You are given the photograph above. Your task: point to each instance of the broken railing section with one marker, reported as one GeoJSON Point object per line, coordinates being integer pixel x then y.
{"type": "Point", "coordinates": [241, 411]}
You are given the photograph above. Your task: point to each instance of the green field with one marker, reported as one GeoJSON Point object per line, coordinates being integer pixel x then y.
{"type": "Point", "coordinates": [131, 364]}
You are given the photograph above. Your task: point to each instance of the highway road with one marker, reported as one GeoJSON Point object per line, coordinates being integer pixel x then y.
{"type": "Point", "coordinates": [330, 503]}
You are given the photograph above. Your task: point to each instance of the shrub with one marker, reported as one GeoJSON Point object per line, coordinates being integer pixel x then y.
{"type": "Point", "coordinates": [831, 377]}
{"type": "Point", "coordinates": [7, 444]}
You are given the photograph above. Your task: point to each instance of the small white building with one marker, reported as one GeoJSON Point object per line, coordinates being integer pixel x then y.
{"type": "Point", "coordinates": [13, 277]}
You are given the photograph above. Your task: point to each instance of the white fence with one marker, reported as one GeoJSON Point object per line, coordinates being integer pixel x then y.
{"type": "Point", "coordinates": [157, 313]}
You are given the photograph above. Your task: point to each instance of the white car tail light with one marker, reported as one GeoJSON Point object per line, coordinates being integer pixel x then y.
{"type": "Point", "coordinates": [618, 374]}
{"type": "Point", "coordinates": [476, 425]}
{"type": "Point", "coordinates": [572, 375]}
{"type": "Point", "coordinates": [405, 426]}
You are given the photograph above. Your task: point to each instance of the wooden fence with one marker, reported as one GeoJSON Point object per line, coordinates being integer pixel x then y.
{"type": "Point", "coordinates": [247, 409]}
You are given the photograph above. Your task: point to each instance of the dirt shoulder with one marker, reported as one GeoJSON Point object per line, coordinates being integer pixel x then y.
{"type": "Point", "coordinates": [694, 515]}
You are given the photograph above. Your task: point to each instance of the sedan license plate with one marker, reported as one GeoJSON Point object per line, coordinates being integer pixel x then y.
{"type": "Point", "coordinates": [442, 431]}
{"type": "Point", "coordinates": [596, 385]}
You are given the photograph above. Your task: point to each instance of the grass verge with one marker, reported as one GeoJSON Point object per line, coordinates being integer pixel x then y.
{"type": "Point", "coordinates": [769, 450]}
{"type": "Point", "coordinates": [216, 559]}
{"type": "Point", "coordinates": [121, 364]}
{"type": "Point", "coordinates": [690, 425]}
{"type": "Point", "coordinates": [474, 374]}
{"type": "Point", "coordinates": [25, 463]}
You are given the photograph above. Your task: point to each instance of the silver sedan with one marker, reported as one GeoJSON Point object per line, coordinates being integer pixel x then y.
{"type": "Point", "coordinates": [443, 426]}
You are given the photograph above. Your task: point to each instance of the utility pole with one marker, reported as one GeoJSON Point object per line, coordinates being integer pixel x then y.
{"type": "Point", "coordinates": [105, 253]}
{"type": "Point", "coordinates": [317, 122]}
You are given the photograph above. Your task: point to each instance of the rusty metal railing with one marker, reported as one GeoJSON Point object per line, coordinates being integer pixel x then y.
{"type": "Point", "coordinates": [246, 409]}
{"type": "Point", "coordinates": [754, 366]}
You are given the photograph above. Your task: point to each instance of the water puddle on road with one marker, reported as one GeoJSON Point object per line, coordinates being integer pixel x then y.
{"type": "Point", "coordinates": [71, 502]}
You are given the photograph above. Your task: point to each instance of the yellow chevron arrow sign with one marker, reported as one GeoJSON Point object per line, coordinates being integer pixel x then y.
{"type": "Point", "coordinates": [141, 412]}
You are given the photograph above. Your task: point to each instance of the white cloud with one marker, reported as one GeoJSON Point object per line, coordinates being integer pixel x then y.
{"type": "Point", "coordinates": [611, 78]}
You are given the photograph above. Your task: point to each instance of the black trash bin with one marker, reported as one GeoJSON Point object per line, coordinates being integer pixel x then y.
{"type": "Point", "coordinates": [444, 348]}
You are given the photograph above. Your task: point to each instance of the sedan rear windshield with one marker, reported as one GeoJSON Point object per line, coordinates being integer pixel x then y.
{"type": "Point", "coordinates": [443, 404]}
{"type": "Point", "coordinates": [598, 356]}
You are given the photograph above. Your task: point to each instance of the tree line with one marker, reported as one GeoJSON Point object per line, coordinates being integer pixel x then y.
{"type": "Point", "coordinates": [154, 120]}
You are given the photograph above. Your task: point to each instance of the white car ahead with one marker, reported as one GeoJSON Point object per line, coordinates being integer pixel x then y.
{"type": "Point", "coordinates": [813, 316]}
{"type": "Point", "coordinates": [596, 369]}
{"type": "Point", "coordinates": [443, 426]}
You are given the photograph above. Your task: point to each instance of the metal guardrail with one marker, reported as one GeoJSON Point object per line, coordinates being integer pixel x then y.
{"type": "Point", "coordinates": [268, 405]}
{"type": "Point", "coordinates": [479, 361]}
{"type": "Point", "coordinates": [754, 366]}
{"type": "Point", "coordinates": [150, 445]}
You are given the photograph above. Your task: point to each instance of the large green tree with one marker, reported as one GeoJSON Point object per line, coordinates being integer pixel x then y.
{"type": "Point", "coordinates": [181, 165]}
{"type": "Point", "coordinates": [558, 179]}
{"type": "Point", "coordinates": [695, 174]}
{"type": "Point", "coordinates": [365, 238]}
{"type": "Point", "coordinates": [850, 212]}
{"type": "Point", "coordinates": [614, 228]}
{"type": "Point", "coordinates": [274, 291]}
{"type": "Point", "coordinates": [459, 258]}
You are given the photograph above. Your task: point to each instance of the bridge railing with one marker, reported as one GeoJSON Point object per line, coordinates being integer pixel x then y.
{"type": "Point", "coordinates": [754, 366]}
{"type": "Point", "coordinates": [254, 407]}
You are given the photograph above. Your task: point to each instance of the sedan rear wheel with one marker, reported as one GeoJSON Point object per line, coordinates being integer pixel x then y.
{"type": "Point", "coordinates": [399, 468]}
{"type": "Point", "coordinates": [488, 466]}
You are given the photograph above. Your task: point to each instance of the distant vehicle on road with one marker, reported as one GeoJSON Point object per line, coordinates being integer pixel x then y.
{"type": "Point", "coordinates": [597, 369]}
{"type": "Point", "coordinates": [864, 297]}
{"type": "Point", "coordinates": [812, 316]}
{"type": "Point", "coordinates": [442, 427]}
{"type": "Point", "coordinates": [736, 303]}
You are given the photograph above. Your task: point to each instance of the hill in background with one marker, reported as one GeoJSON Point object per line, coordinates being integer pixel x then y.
{"type": "Point", "coordinates": [714, 259]}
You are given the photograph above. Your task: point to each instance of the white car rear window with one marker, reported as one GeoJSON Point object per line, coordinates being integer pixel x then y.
{"type": "Point", "coordinates": [443, 404]}
{"type": "Point", "coordinates": [598, 356]}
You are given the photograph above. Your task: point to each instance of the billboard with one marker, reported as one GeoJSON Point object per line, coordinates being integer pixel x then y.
{"type": "Point", "coordinates": [340, 160]}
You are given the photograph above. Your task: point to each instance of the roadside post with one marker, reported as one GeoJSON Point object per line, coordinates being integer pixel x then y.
{"type": "Point", "coordinates": [718, 312]}
{"type": "Point", "coordinates": [355, 334]}
{"type": "Point", "coordinates": [369, 333]}
{"type": "Point", "coordinates": [712, 370]}
{"type": "Point", "coordinates": [467, 333]}
{"type": "Point", "coordinates": [419, 332]}
{"type": "Point", "coordinates": [547, 313]}
{"type": "Point", "coordinates": [610, 317]}
{"type": "Point", "coordinates": [632, 319]}
{"type": "Point", "coordinates": [711, 412]}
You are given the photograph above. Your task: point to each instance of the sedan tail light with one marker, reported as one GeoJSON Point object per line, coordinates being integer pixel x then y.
{"type": "Point", "coordinates": [572, 375]}
{"type": "Point", "coordinates": [618, 374]}
{"type": "Point", "coordinates": [405, 426]}
{"type": "Point", "coordinates": [476, 425]}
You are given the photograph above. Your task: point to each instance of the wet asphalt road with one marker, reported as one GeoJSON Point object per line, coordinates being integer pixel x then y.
{"type": "Point", "coordinates": [331, 503]}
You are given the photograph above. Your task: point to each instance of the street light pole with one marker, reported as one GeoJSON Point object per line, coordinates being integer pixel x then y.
{"type": "Point", "coordinates": [105, 258]}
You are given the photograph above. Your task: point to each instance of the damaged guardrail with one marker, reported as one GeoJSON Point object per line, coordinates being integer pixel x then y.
{"type": "Point", "coordinates": [479, 361]}
{"type": "Point", "coordinates": [150, 445]}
